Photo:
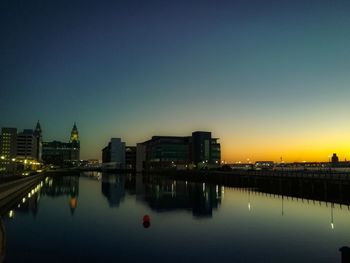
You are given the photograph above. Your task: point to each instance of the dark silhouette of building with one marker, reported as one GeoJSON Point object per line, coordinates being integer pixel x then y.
{"type": "Point", "coordinates": [39, 141]}
{"type": "Point", "coordinates": [205, 148]}
{"type": "Point", "coordinates": [62, 153]}
{"type": "Point", "coordinates": [8, 143]}
{"type": "Point", "coordinates": [174, 152]}
{"type": "Point", "coordinates": [113, 155]}
{"type": "Point", "coordinates": [27, 145]}
{"type": "Point", "coordinates": [335, 159]}
{"type": "Point", "coordinates": [75, 143]}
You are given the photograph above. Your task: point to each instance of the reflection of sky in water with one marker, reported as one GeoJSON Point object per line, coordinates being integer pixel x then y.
{"type": "Point", "coordinates": [96, 220]}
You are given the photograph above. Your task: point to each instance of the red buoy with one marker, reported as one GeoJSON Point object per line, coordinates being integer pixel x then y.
{"type": "Point", "coordinates": [146, 218]}
{"type": "Point", "coordinates": [146, 221]}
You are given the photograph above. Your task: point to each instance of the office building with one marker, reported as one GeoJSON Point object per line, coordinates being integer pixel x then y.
{"type": "Point", "coordinates": [199, 151]}
{"type": "Point", "coordinates": [27, 145]}
{"type": "Point", "coordinates": [8, 143]}
{"type": "Point", "coordinates": [8, 149]}
{"type": "Point", "coordinates": [113, 155]}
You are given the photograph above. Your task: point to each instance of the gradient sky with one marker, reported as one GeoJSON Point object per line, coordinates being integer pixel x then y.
{"type": "Point", "coordinates": [269, 78]}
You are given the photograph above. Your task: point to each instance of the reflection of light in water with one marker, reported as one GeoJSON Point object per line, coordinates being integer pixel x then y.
{"type": "Point", "coordinates": [73, 202]}
{"type": "Point", "coordinates": [203, 186]}
{"type": "Point", "coordinates": [11, 214]}
{"type": "Point", "coordinates": [249, 206]}
{"type": "Point", "coordinates": [332, 224]}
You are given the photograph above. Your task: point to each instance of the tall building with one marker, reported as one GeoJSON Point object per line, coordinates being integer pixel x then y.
{"type": "Point", "coordinates": [27, 145]}
{"type": "Point", "coordinates": [75, 143]}
{"type": "Point", "coordinates": [205, 148]}
{"type": "Point", "coordinates": [8, 143]}
{"type": "Point", "coordinates": [39, 141]}
{"type": "Point", "coordinates": [113, 155]}
{"type": "Point", "coordinates": [8, 149]}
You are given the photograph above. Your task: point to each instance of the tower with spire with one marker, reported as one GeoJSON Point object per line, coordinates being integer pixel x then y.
{"type": "Point", "coordinates": [75, 143]}
{"type": "Point", "coordinates": [39, 141]}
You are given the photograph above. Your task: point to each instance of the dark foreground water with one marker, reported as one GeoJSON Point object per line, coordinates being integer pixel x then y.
{"type": "Point", "coordinates": [99, 218]}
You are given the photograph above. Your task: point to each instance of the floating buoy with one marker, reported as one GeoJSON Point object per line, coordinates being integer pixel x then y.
{"type": "Point", "coordinates": [146, 218]}
{"type": "Point", "coordinates": [146, 221]}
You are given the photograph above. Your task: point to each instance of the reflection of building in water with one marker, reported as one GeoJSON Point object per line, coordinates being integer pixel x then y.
{"type": "Point", "coordinates": [112, 187]}
{"type": "Point", "coordinates": [165, 195]}
{"type": "Point", "coordinates": [63, 186]}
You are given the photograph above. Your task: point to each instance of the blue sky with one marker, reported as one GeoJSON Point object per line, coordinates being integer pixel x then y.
{"type": "Point", "coordinates": [264, 76]}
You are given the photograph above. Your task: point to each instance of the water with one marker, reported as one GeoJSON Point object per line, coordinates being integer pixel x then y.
{"type": "Point", "coordinates": [97, 218]}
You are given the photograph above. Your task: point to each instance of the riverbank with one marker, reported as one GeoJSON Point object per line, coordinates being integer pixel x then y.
{"type": "Point", "coordinates": [11, 191]}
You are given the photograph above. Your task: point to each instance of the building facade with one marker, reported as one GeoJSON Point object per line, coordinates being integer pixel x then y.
{"type": "Point", "coordinates": [8, 143]}
{"type": "Point", "coordinates": [8, 149]}
{"type": "Point", "coordinates": [113, 155]}
{"type": "Point", "coordinates": [27, 145]}
{"type": "Point", "coordinates": [62, 153]}
{"type": "Point", "coordinates": [199, 151]}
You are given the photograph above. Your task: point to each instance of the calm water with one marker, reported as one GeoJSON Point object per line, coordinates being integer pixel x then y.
{"type": "Point", "coordinates": [97, 218]}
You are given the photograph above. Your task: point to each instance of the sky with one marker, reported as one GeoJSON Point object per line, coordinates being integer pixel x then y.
{"type": "Point", "coordinates": [269, 78]}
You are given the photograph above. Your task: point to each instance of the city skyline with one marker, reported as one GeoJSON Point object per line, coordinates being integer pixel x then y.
{"type": "Point", "coordinates": [269, 79]}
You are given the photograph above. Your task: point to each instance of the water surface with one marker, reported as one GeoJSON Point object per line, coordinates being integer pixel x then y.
{"type": "Point", "coordinates": [96, 218]}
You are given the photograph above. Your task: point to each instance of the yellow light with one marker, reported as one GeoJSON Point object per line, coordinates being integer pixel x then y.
{"type": "Point", "coordinates": [25, 161]}
{"type": "Point", "coordinates": [23, 200]}
{"type": "Point", "coordinates": [2, 157]}
{"type": "Point", "coordinates": [13, 159]}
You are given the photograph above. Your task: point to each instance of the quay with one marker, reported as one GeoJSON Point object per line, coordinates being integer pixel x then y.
{"type": "Point", "coordinates": [12, 190]}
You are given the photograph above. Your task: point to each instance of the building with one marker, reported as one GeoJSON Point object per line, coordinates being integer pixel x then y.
{"type": "Point", "coordinates": [39, 141]}
{"type": "Point", "coordinates": [199, 151]}
{"type": "Point", "coordinates": [8, 149]}
{"type": "Point", "coordinates": [75, 143]}
{"type": "Point", "coordinates": [205, 149]}
{"type": "Point", "coordinates": [335, 159]}
{"type": "Point", "coordinates": [27, 145]}
{"type": "Point", "coordinates": [57, 153]}
{"type": "Point", "coordinates": [113, 155]}
{"type": "Point", "coordinates": [167, 152]}
{"type": "Point", "coordinates": [140, 157]}
{"type": "Point", "coordinates": [62, 153]}
{"type": "Point", "coordinates": [8, 143]}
